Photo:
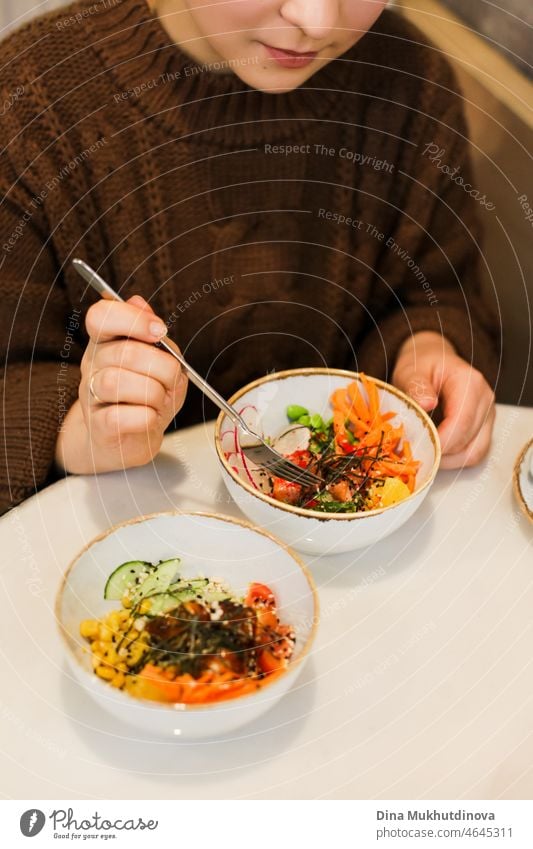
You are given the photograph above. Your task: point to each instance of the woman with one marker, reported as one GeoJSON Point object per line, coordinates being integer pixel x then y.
{"type": "Point", "coordinates": [259, 179]}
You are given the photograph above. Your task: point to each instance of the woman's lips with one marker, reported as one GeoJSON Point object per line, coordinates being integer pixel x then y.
{"type": "Point", "coordinates": [289, 58]}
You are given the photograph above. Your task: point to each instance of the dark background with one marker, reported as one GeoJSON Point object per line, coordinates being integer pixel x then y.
{"type": "Point", "coordinates": [507, 27]}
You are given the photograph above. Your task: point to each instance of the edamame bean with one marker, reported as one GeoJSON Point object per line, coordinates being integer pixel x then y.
{"type": "Point", "coordinates": [294, 412]}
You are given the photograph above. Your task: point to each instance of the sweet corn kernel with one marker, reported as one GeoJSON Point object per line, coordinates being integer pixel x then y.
{"type": "Point", "coordinates": [111, 656]}
{"type": "Point", "coordinates": [118, 679]}
{"type": "Point", "coordinates": [135, 655]}
{"type": "Point", "coordinates": [89, 629]}
{"type": "Point", "coordinates": [106, 634]}
{"type": "Point", "coordinates": [105, 672]}
{"type": "Point", "coordinates": [131, 640]}
{"type": "Point", "coordinates": [113, 620]}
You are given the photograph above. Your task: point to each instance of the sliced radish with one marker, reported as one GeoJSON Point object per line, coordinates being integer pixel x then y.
{"type": "Point", "coordinates": [295, 438]}
{"type": "Point", "coordinates": [248, 471]}
{"type": "Point", "coordinates": [251, 417]}
{"type": "Point", "coordinates": [245, 468]}
{"type": "Point", "coordinates": [227, 440]}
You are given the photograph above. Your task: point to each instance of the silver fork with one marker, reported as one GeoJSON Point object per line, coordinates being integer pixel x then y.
{"type": "Point", "coordinates": [253, 445]}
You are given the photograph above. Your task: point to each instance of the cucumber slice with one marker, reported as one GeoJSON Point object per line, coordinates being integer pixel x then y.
{"type": "Point", "coordinates": [216, 595]}
{"type": "Point", "coordinates": [159, 580]}
{"type": "Point", "coordinates": [189, 588]}
{"type": "Point", "coordinates": [139, 578]}
{"type": "Point", "coordinates": [197, 585]}
{"type": "Point", "coordinates": [125, 577]}
{"type": "Point", "coordinates": [175, 595]}
{"type": "Point", "coordinates": [185, 590]}
{"type": "Point", "coordinates": [161, 603]}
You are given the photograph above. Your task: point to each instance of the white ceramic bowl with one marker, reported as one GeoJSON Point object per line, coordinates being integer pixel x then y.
{"type": "Point", "coordinates": [523, 482]}
{"type": "Point", "coordinates": [265, 402]}
{"type": "Point", "coordinates": [216, 546]}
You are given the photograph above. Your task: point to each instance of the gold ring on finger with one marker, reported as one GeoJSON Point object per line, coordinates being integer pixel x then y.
{"type": "Point", "coordinates": [91, 390]}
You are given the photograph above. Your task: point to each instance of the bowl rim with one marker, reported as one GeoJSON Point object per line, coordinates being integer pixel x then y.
{"type": "Point", "coordinates": [517, 474]}
{"type": "Point", "coordinates": [183, 706]}
{"type": "Point", "coordinates": [315, 514]}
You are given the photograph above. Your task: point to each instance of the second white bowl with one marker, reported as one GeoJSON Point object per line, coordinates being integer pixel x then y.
{"type": "Point", "coordinates": [214, 546]}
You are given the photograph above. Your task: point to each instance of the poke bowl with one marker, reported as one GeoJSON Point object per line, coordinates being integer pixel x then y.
{"type": "Point", "coordinates": [186, 625]}
{"type": "Point", "coordinates": [376, 450]}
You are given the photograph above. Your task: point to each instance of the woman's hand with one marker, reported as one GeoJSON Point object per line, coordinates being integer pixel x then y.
{"type": "Point", "coordinates": [430, 371]}
{"type": "Point", "coordinates": [129, 391]}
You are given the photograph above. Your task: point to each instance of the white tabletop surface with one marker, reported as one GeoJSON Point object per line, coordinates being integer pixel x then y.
{"type": "Point", "coordinates": [420, 680]}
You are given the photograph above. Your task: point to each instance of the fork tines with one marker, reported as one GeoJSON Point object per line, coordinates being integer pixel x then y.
{"type": "Point", "coordinates": [290, 472]}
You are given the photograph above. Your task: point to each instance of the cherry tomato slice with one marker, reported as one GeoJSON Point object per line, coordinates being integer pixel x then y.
{"type": "Point", "coordinates": [260, 594]}
{"type": "Point", "coordinates": [301, 458]}
{"type": "Point", "coordinates": [268, 663]}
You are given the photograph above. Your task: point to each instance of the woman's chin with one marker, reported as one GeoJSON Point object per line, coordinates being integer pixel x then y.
{"type": "Point", "coordinates": [270, 83]}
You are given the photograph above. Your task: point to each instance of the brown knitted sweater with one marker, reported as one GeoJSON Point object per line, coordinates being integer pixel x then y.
{"type": "Point", "coordinates": [269, 231]}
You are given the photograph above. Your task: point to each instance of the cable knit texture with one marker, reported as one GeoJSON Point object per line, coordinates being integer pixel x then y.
{"type": "Point", "coordinates": [183, 184]}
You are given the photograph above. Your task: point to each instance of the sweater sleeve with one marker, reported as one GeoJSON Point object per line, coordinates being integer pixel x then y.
{"type": "Point", "coordinates": [39, 350]}
{"type": "Point", "coordinates": [428, 273]}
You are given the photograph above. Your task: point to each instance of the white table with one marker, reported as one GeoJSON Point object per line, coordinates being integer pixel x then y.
{"type": "Point", "coordinates": [419, 685]}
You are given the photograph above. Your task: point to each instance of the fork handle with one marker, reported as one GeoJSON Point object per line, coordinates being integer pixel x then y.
{"type": "Point", "coordinates": [107, 292]}
{"type": "Point", "coordinates": [198, 381]}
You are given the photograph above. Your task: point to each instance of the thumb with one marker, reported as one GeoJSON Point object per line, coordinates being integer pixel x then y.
{"type": "Point", "coordinates": [138, 301]}
{"type": "Point", "coordinates": [420, 388]}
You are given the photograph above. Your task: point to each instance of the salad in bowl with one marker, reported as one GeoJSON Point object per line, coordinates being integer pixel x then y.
{"type": "Point", "coordinates": [186, 625]}
{"type": "Point", "coordinates": [188, 640]}
{"type": "Point", "coordinates": [363, 458]}
{"type": "Point", "coordinates": [375, 450]}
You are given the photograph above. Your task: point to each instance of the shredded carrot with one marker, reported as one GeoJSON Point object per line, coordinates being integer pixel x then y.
{"type": "Point", "coordinates": [373, 399]}
{"type": "Point", "coordinates": [359, 404]}
{"type": "Point", "coordinates": [373, 431]}
{"type": "Point", "coordinates": [339, 422]}
{"type": "Point", "coordinates": [359, 424]}
{"type": "Point", "coordinates": [209, 687]}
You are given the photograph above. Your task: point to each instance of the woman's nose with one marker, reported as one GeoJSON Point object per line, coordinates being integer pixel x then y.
{"type": "Point", "coordinates": [317, 18]}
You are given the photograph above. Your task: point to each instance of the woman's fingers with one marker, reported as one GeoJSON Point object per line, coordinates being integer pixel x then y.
{"type": "Point", "coordinates": [130, 390]}
{"type": "Point", "coordinates": [114, 385]}
{"type": "Point", "coordinates": [107, 320]}
{"type": "Point", "coordinates": [475, 451]}
{"type": "Point", "coordinates": [429, 369]}
{"type": "Point", "coordinates": [138, 357]}
{"type": "Point", "coordinates": [419, 387]}
{"type": "Point", "coordinates": [113, 422]}
{"type": "Point", "coordinates": [467, 402]}
{"type": "Point", "coordinates": [138, 301]}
